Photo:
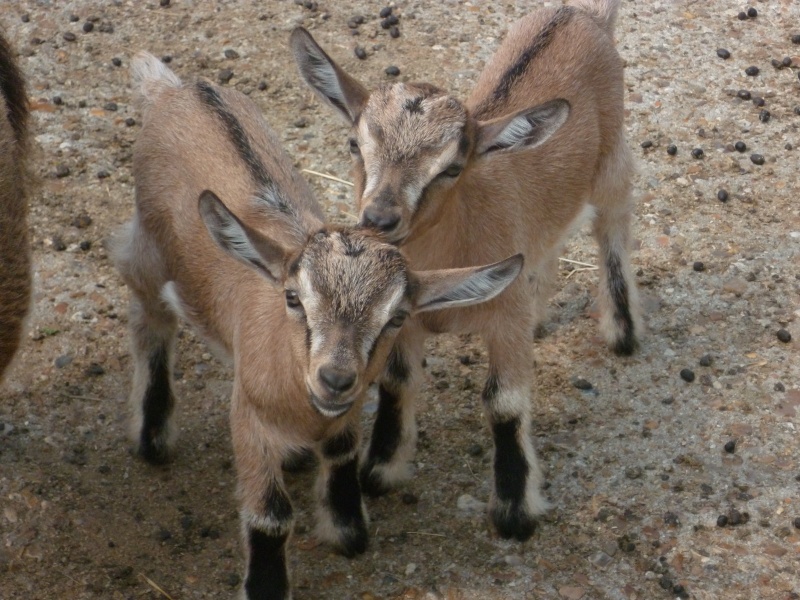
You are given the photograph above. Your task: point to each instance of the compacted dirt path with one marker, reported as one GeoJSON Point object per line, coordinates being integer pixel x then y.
{"type": "Point", "coordinates": [673, 473]}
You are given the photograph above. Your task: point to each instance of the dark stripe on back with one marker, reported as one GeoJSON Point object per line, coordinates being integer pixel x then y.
{"type": "Point", "coordinates": [539, 42]}
{"type": "Point", "coordinates": [269, 191]}
{"type": "Point", "coordinates": [12, 87]}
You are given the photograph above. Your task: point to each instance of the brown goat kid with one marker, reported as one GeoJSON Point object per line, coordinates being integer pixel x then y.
{"type": "Point", "coordinates": [15, 254]}
{"type": "Point", "coordinates": [307, 312]}
{"type": "Point", "coordinates": [539, 142]}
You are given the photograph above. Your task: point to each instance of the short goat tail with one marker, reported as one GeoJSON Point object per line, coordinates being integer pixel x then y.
{"type": "Point", "coordinates": [603, 11]}
{"type": "Point", "coordinates": [150, 77]}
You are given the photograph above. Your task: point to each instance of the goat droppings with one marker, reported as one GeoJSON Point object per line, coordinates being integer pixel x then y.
{"type": "Point", "coordinates": [723, 53]}
{"type": "Point", "coordinates": [740, 146]}
{"type": "Point", "coordinates": [722, 195]}
{"type": "Point", "coordinates": [672, 149]}
{"type": "Point", "coordinates": [697, 152]}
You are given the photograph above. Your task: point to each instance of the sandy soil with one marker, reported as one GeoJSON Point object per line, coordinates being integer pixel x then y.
{"type": "Point", "coordinates": [636, 466]}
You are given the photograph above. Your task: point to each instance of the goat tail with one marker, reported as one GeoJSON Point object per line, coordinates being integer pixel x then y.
{"type": "Point", "coordinates": [12, 89]}
{"type": "Point", "coordinates": [150, 77]}
{"type": "Point", "coordinates": [603, 11]}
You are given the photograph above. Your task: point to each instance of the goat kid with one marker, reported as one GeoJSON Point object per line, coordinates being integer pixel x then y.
{"type": "Point", "coordinates": [15, 253]}
{"type": "Point", "coordinates": [539, 143]}
{"type": "Point", "coordinates": [308, 312]}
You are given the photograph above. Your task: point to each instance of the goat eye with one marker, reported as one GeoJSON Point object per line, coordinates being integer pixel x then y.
{"type": "Point", "coordinates": [354, 146]}
{"type": "Point", "coordinates": [452, 171]}
{"type": "Point", "coordinates": [292, 300]}
{"type": "Point", "coordinates": [397, 320]}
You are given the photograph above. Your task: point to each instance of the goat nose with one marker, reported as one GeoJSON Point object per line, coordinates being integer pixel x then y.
{"type": "Point", "coordinates": [337, 380]}
{"type": "Point", "coordinates": [380, 219]}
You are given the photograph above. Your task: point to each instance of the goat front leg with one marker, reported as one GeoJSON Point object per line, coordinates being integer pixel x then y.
{"type": "Point", "coordinates": [341, 515]}
{"type": "Point", "coordinates": [516, 499]}
{"type": "Point", "coordinates": [387, 461]}
{"type": "Point", "coordinates": [152, 401]}
{"type": "Point", "coordinates": [266, 511]}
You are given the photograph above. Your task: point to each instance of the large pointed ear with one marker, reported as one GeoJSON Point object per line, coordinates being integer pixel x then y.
{"type": "Point", "coordinates": [525, 129]}
{"type": "Point", "coordinates": [240, 241]}
{"type": "Point", "coordinates": [449, 288]}
{"type": "Point", "coordinates": [326, 78]}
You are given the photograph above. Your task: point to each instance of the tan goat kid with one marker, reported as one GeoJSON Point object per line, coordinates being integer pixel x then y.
{"type": "Point", "coordinates": [308, 312]}
{"type": "Point", "coordinates": [539, 142]}
{"type": "Point", "coordinates": [15, 253]}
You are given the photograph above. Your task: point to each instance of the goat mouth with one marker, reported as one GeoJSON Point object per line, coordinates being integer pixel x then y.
{"type": "Point", "coordinates": [330, 410]}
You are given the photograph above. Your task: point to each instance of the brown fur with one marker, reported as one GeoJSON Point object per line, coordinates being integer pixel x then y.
{"type": "Point", "coordinates": [558, 78]}
{"type": "Point", "coordinates": [15, 256]}
{"type": "Point", "coordinates": [298, 306]}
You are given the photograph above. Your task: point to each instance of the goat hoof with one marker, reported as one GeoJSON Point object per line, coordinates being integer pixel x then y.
{"type": "Point", "coordinates": [371, 482]}
{"type": "Point", "coordinates": [514, 524]}
{"type": "Point", "coordinates": [354, 541]}
{"type": "Point", "coordinates": [625, 346]}
{"type": "Point", "coordinates": [154, 454]}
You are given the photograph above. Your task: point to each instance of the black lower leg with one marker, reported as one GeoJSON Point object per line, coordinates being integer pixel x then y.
{"type": "Point", "coordinates": [618, 290]}
{"type": "Point", "coordinates": [156, 408]}
{"type": "Point", "coordinates": [344, 501]}
{"type": "Point", "coordinates": [267, 574]}
{"type": "Point", "coordinates": [388, 429]}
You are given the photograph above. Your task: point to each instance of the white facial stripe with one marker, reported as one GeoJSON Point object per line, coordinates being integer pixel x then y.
{"type": "Point", "coordinates": [371, 165]}
{"type": "Point", "coordinates": [382, 314]}
{"type": "Point", "coordinates": [311, 306]}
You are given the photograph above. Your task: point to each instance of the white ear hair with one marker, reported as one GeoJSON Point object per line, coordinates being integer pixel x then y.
{"type": "Point", "coordinates": [526, 129]}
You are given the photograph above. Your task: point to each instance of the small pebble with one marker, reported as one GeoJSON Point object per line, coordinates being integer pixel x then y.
{"type": "Point", "coordinates": [69, 36]}
{"type": "Point", "coordinates": [106, 27]}
{"type": "Point", "coordinates": [699, 266]}
{"type": "Point", "coordinates": [752, 71]}
{"type": "Point", "coordinates": [62, 171]}
{"type": "Point", "coordinates": [57, 100]}
{"type": "Point", "coordinates": [166, 59]}
{"type": "Point", "coordinates": [759, 101]}
{"type": "Point", "coordinates": [757, 159]}
{"type": "Point", "coordinates": [796, 39]}
{"type": "Point", "coordinates": [744, 94]}
{"type": "Point", "coordinates": [117, 62]}
{"type": "Point", "coordinates": [723, 53]}
{"type": "Point", "coordinates": [697, 153]}
{"type": "Point", "coordinates": [130, 122]}
{"type": "Point", "coordinates": [730, 447]}
{"type": "Point", "coordinates": [74, 18]}
{"type": "Point", "coordinates": [385, 12]}
{"type": "Point", "coordinates": [230, 53]}
{"type": "Point", "coordinates": [225, 75]}
{"type": "Point", "coordinates": [262, 85]}
{"type": "Point", "coordinates": [788, 146]}
{"type": "Point", "coordinates": [740, 146]}
{"type": "Point", "coordinates": [82, 221]}
{"type": "Point", "coordinates": [764, 116]}
{"type": "Point", "coordinates": [647, 144]}
{"type": "Point", "coordinates": [110, 106]}
{"type": "Point", "coordinates": [784, 336]}
{"type": "Point", "coordinates": [164, 2]}
{"type": "Point", "coordinates": [409, 498]}
{"type": "Point", "coordinates": [779, 387]}
{"type": "Point", "coordinates": [94, 370]}
{"type": "Point", "coordinates": [26, 18]}
{"type": "Point", "coordinates": [742, 16]}
{"type": "Point", "coordinates": [687, 375]}
{"type": "Point", "coordinates": [706, 360]}
{"type": "Point", "coordinates": [797, 522]}
{"type": "Point", "coordinates": [88, 26]}
{"type": "Point", "coordinates": [722, 521]}
{"type": "Point", "coordinates": [361, 54]}
{"type": "Point", "coordinates": [722, 195]}
{"type": "Point", "coordinates": [672, 149]}
{"type": "Point", "coordinates": [392, 71]}
{"type": "Point", "coordinates": [752, 12]}
{"type": "Point", "coordinates": [394, 31]}
{"type": "Point", "coordinates": [102, 174]}
{"type": "Point", "coordinates": [85, 245]}
{"type": "Point", "coordinates": [58, 244]}
{"type": "Point", "coordinates": [581, 383]}
{"type": "Point", "coordinates": [301, 122]}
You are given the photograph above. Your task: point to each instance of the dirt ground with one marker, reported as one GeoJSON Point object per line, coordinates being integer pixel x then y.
{"type": "Point", "coordinates": [636, 466]}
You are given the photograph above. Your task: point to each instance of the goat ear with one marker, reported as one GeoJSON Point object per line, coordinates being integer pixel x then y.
{"type": "Point", "coordinates": [240, 241]}
{"type": "Point", "coordinates": [326, 78]}
{"type": "Point", "coordinates": [448, 288]}
{"type": "Point", "coordinates": [526, 129]}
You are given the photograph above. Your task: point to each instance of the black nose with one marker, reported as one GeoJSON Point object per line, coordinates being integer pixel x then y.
{"type": "Point", "coordinates": [379, 219]}
{"type": "Point", "coordinates": [337, 380]}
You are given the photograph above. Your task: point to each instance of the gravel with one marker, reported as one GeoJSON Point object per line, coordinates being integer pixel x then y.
{"type": "Point", "coordinates": [70, 530]}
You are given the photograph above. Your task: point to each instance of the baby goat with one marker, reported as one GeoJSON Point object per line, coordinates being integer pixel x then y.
{"type": "Point", "coordinates": [308, 312]}
{"type": "Point", "coordinates": [540, 140]}
{"type": "Point", "coordinates": [15, 253]}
